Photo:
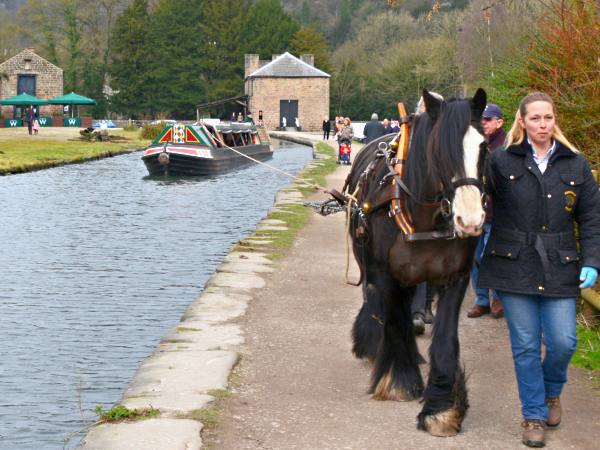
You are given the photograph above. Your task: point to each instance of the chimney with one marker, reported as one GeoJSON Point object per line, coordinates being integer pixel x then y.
{"type": "Point", "coordinates": [251, 63]}
{"type": "Point", "coordinates": [308, 59]}
{"type": "Point", "coordinates": [275, 56]}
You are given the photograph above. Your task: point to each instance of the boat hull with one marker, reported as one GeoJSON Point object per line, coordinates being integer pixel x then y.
{"type": "Point", "coordinates": [199, 161]}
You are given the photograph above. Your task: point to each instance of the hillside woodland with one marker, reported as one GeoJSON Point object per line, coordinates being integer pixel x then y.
{"type": "Point", "coordinates": [157, 58]}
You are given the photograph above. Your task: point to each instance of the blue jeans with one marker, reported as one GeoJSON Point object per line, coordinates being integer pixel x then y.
{"type": "Point", "coordinates": [531, 319]}
{"type": "Point", "coordinates": [482, 297]}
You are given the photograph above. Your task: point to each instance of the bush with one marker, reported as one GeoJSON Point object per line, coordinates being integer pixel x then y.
{"type": "Point", "coordinates": [131, 127]}
{"type": "Point", "coordinates": [151, 130]}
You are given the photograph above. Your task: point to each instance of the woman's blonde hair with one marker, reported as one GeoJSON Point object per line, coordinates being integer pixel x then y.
{"type": "Point", "coordinates": [348, 119]}
{"type": "Point", "coordinates": [517, 132]}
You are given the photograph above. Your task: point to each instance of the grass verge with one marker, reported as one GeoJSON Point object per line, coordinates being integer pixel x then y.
{"type": "Point", "coordinates": [588, 348]}
{"type": "Point", "coordinates": [294, 215]}
{"type": "Point", "coordinates": [18, 154]}
{"type": "Point", "coordinates": [120, 413]}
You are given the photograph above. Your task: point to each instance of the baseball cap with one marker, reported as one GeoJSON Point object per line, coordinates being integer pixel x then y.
{"type": "Point", "coordinates": [492, 110]}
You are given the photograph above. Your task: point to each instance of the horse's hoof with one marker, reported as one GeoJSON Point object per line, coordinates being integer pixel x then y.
{"type": "Point", "coordinates": [444, 424]}
{"type": "Point", "coordinates": [386, 391]}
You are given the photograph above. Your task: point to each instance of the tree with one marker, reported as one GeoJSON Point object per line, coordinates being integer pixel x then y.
{"type": "Point", "coordinates": [176, 69]}
{"type": "Point", "coordinates": [222, 31]}
{"type": "Point", "coordinates": [309, 40]}
{"type": "Point", "coordinates": [130, 63]}
{"type": "Point", "coordinates": [563, 62]}
{"type": "Point", "coordinates": [305, 13]}
{"type": "Point", "coordinates": [269, 29]}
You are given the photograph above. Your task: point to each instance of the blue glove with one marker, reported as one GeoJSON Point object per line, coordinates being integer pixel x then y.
{"type": "Point", "coordinates": [588, 277]}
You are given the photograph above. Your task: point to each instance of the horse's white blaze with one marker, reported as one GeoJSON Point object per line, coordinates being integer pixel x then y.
{"type": "Point", "coordinates": [467, 207]}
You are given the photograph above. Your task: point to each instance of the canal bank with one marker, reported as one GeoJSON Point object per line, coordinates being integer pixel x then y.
{"type": "Point", "coordinates": [55, 147]}
{"type": "Point", "coordinates": [190, 368]}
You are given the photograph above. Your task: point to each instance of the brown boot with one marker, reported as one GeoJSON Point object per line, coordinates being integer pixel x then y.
{"type": "Point", "coordinates": [533, 432]}
{"type": "Point", "coordinates": [497, 309]}
{"type": "Point", "coordinates": [554, 412]}
{"type": "Point", "coordinates": [478, 311]}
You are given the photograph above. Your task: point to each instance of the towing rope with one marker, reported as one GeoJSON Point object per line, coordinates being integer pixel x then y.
{"type": "Point", "coordinates": [283, 172]}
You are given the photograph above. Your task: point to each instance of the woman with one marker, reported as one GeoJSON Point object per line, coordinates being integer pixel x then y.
{"type": "Point", "coordinates": [540, 186]}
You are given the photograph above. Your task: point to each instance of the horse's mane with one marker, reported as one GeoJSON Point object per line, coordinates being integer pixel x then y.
{"type": "Point", "coordinates": [436, 150]}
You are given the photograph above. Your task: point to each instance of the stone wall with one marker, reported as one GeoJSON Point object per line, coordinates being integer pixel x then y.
{"type": "Point", "coordinates": [49, 80]}
{"type": "Point", "coordinates": [312, 94]}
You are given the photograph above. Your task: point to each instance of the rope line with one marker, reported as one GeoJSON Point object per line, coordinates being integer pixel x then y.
{"type": "Point", "coordinates": [283, 172]}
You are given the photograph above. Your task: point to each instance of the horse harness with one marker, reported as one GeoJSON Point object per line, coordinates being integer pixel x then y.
{"type": "Point", "coordinates": [395, 193]}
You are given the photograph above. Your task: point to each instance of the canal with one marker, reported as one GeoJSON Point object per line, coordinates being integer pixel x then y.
{"type": "Point", "coordinates": [98, 262]}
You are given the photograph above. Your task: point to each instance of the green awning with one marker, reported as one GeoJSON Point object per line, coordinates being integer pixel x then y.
{"type": "Point", "coordinates": [23, 100]}
{"type": "Point", "coordinates": [72, 99]}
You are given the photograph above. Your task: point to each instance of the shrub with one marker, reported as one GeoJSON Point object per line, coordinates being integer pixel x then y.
{"type": "Point", "coordinates": [151, 130]}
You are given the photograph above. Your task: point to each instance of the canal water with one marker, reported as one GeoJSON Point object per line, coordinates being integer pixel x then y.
{"type": "Point", "coordinates": [97, 263]}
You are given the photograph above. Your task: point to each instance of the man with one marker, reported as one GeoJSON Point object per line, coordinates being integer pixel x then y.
{"type": "Point", "coordinates": [491, 122]}
{"type": "Point", "coordinates": [386, 126]}
{"type": "Point", "coordinates": [373, 129]}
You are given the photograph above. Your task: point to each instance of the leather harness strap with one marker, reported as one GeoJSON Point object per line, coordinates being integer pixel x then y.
{"type": "Point", "coordinates": [398, 208]}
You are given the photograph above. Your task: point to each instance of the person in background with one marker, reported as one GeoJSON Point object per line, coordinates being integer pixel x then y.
{"type": "Point", "coordinates": [260, 117]}
{"type": "Point", "coordinates": [394, 126]}
{"type": "Point", "coordinates": [373, 129]}
{"type": "Point", "coordinates": [240, 117]}
{"type": "Point", "coordinates": [326, 128]}
{"type": "Point", "coordinates": [233, 117]}
{"type": "Point", "coordinates": [29, 117]}
{"type": "Point", "coordinates": [491, 122]}
{"type": "Point", "coordinates": [541, 185]}
{"type": "Point", "coordinates": [346, 132]}
{"type": "Point", "coordinates": [36, 126]}
{"type": "Point", "coordinates": [387, 128]}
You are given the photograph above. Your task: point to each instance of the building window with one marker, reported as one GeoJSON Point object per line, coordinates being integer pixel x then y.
{"type": "Point", "coordinates": [27, 64]}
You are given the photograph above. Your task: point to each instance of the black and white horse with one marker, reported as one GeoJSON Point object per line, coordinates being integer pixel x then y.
{"type": "Point", "coordinates": [444, 167]}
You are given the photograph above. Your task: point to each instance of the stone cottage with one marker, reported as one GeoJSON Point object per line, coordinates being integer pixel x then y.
{"type": "Point", "coordinates": [287, 87]}
{"type": "Point", "coordinates": [30, 73]}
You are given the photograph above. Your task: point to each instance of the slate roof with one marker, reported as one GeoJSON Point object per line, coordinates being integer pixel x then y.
{"type": "Point", "coordinates": [287, 65]}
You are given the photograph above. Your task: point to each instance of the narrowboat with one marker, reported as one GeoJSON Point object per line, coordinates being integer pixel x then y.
{"type": "Point", "coordinates": [206, 148]}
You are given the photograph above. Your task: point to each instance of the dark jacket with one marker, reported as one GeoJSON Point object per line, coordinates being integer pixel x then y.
{"type": "Point", "coordinates": [532, 248]}
{"type": "Point", "coordinates": [373, 130]}
{"type": "Point", "coordinates": [326, 125]}
{"type": "Point", "coordinates": [496, 139]}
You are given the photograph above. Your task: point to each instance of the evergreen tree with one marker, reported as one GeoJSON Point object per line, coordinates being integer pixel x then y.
{"type": "Point", "coordinates": [130, 63]}
{"type": "Point", "coordinates": [305, 13]}
{"type": "Point", "coordinates": [309, 40]}
{"type": "Point", "coordinates": [269, 29]}
{"type": "Point", "coordinates": [176, 67]}
{"type": "Point", "coordinates": [72, 29]}
{"type": "Point", "coordinates": [222, 30]}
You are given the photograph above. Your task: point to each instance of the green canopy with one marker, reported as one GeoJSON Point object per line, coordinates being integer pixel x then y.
{"type": "Point", "coordinates": [23, 100]}
{"type": "Point", "coordinates": [72, 99]}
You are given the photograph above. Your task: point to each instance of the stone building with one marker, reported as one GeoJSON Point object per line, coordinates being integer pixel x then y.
{"type": "Point", "coordinates": [287, 87]}
{"type": "Point", "coordinates": [30, 73]}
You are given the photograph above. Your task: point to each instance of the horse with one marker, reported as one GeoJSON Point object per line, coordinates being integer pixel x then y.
{"type": "Point", "coordinates": [440, 193]}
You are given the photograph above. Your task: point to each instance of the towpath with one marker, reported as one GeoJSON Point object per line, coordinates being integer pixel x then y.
{"type": "Point", "coordinates": [297, 385]}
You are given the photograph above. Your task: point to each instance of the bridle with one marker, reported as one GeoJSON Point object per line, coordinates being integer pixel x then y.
{"type": "Point", "coordinates": [396, 155]}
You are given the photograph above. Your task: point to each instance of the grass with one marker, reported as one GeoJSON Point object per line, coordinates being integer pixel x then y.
{"type": "Point", "coordinates": [588, 348]}
{"type": "Point", "coordinates": [295, 216]}
{"type": "Point", "coordinates": [210, 415]}
{"type": "Point", "coordinates": [120, 413]}
{"type": "Point", "coordinates": [20, 152]}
